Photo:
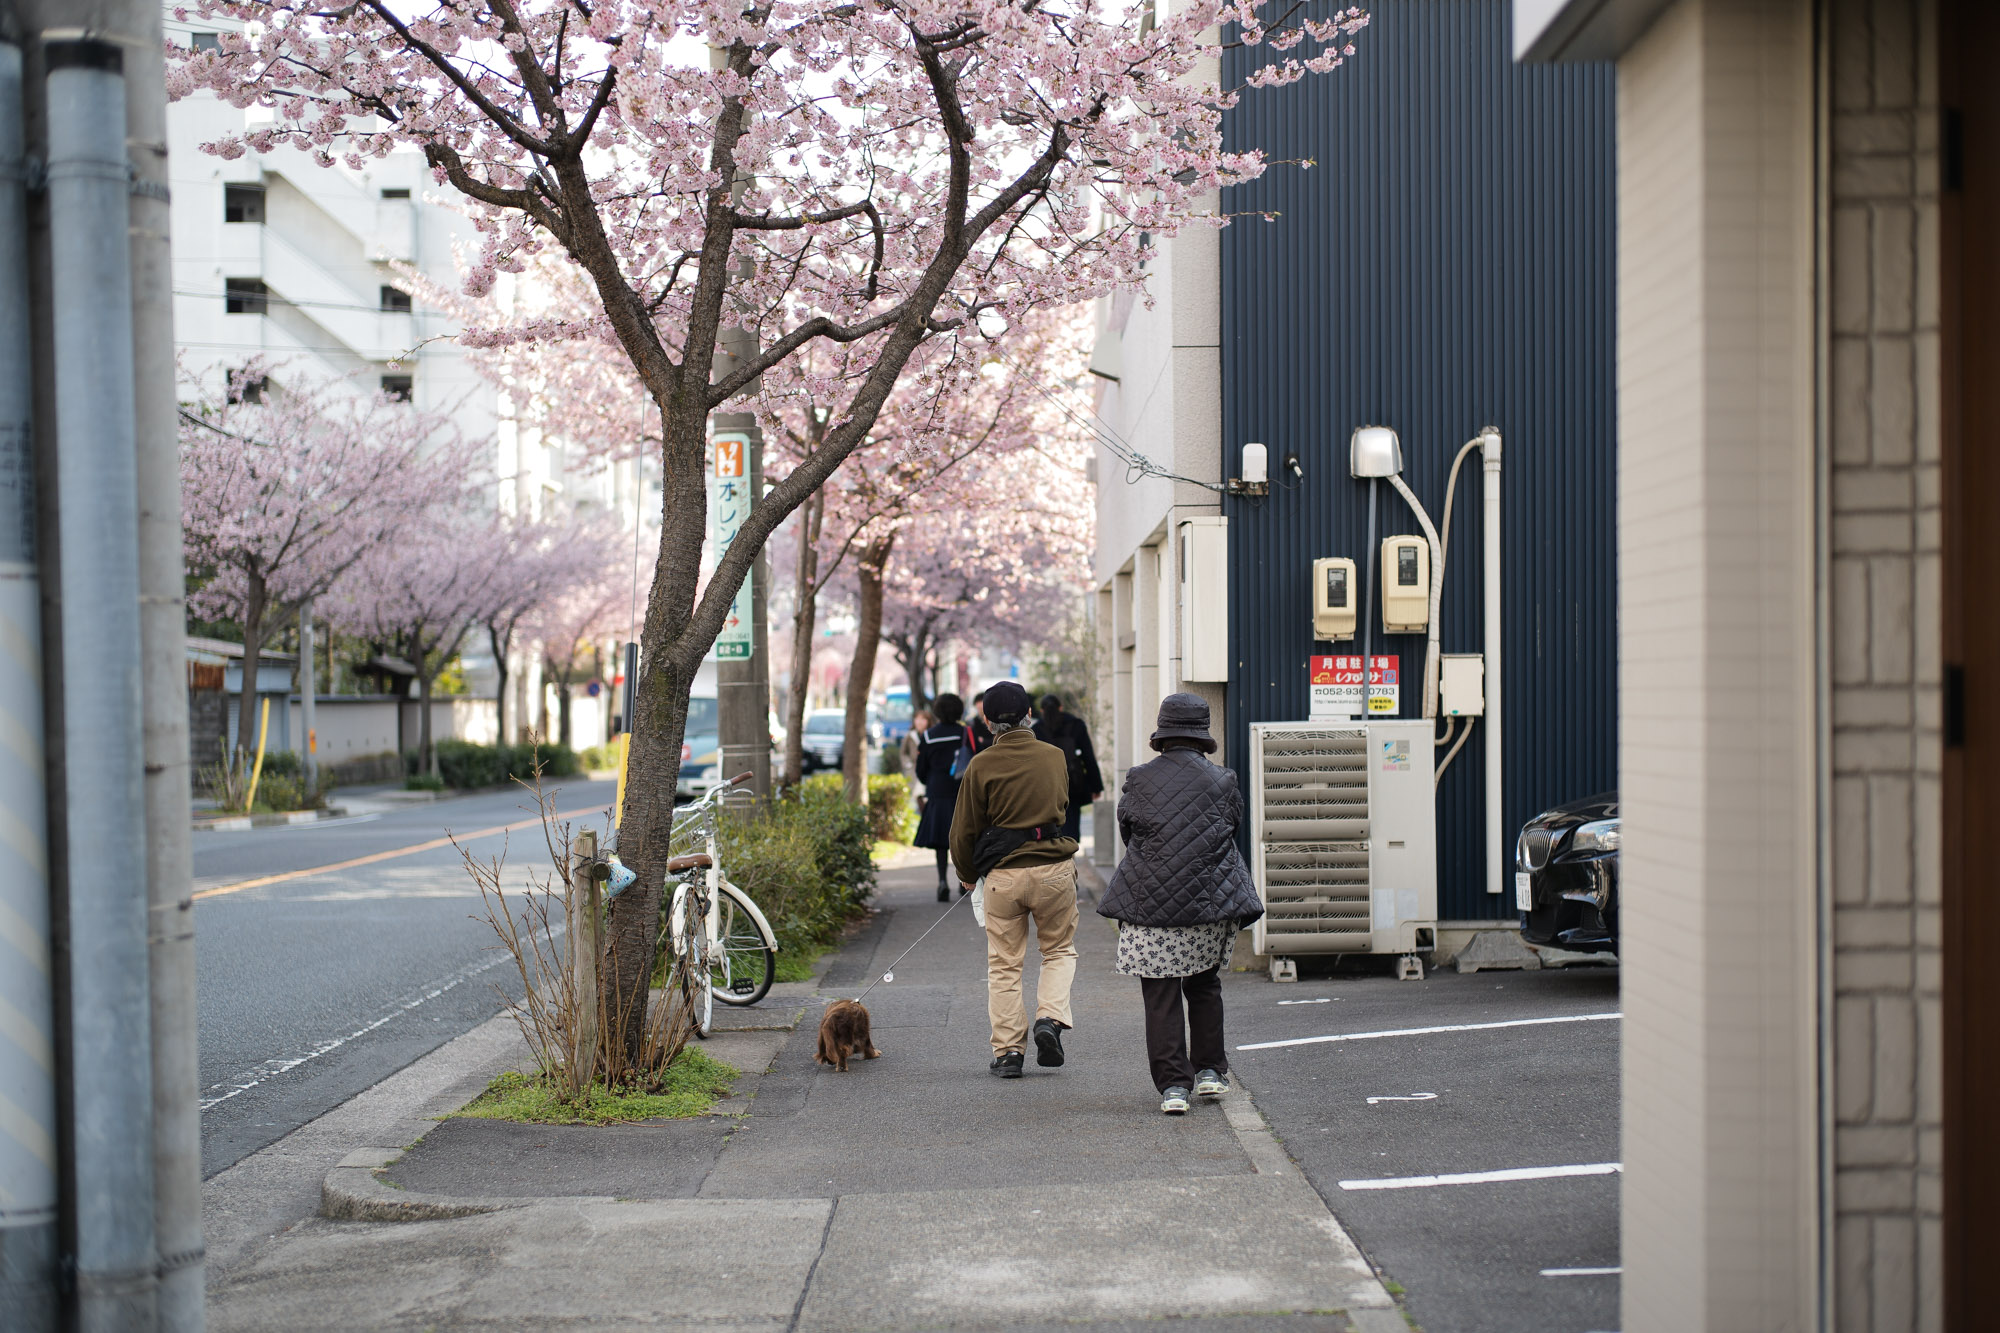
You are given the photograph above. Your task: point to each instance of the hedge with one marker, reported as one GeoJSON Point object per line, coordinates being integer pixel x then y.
{"type": "Point", "coordinates": [806, 862]}
{"type": "Point", "coordinates": [463, 764]}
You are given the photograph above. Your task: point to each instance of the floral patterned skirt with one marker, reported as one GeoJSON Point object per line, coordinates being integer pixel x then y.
{"type": "Point", "coordinates": [1173, 951]}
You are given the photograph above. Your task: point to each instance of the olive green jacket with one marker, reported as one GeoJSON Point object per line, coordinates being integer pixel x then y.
{"type": "Point", "coordinates": [1017, 782]}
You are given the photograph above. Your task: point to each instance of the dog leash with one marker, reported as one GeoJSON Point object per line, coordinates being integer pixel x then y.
{"type": "Point", "coordinates": [889, 974]}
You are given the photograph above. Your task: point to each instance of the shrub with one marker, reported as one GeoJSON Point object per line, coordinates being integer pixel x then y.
{"type": "Point", "coordinates": [423, 782]}
{"type": "Point", "coordinates": [288, 791]}
{"type": "Point", "coordinates": [804, 861]}
{"type": "Point", "coordinates": [599, 757]}
{"type": "Point", "coordinates": [892, 808]}
{"type": "Point", "coordinates": [463, 764]}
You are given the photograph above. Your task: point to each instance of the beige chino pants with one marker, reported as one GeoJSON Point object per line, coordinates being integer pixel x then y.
{"type": "Point", "coordinates": [1046, 893]}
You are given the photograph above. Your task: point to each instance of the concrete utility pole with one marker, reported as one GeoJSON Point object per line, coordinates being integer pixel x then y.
{"type": "Point", "coordinates": [308, 688]}
{"type": "Point", "coordinates": [108, 458]}
{"type": "Point", "coordinates": [743, 687]}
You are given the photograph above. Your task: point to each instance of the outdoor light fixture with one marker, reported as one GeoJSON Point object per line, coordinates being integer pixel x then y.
{"type": "Point", "coordinates": [1374, 451]}
{"type": "Point", "coordinates": [1256, 478]}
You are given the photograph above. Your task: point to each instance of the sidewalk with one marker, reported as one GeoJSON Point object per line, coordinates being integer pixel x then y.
{"type": "Point", "coordinates": [914, 1191]}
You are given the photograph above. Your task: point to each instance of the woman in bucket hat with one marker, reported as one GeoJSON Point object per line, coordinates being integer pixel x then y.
{"type": "Point", "coordinates": [1180, 895]}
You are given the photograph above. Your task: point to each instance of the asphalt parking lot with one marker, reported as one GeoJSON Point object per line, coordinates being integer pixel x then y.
{"type": "Point", "coordinates": [1375, 1117]}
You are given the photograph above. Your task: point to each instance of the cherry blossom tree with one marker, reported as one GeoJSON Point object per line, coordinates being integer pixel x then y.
{"type": "Point", "coordinates": [284, 494]}
{"type": "Point", "coordinates": [882, 176]}
{"type": "Point", "coordinates": [542, 563]}
{"type": "Point", "coordinates": [570, 627]}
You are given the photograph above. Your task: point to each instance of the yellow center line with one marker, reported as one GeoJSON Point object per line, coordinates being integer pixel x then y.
{"type": "Point", "coordinates": [390, 855]}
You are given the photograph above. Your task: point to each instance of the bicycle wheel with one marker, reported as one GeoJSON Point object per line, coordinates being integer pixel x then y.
{"type": "Point", "coordinates": [744, 958]}
{"type": "Point", "coordinates": [686, 946]}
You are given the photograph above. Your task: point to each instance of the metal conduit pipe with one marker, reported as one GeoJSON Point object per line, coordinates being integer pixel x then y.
{"type": "Point", "coordinates": [27, 1043]}
{"type": "Point", "coordinates": [1496, 836]}
{"type": "Point", "coordinates": [1437, 594]}
{"type": "Point", "coordinates": [102, 759]}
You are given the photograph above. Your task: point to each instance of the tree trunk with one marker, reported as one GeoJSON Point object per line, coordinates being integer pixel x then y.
{"type": "Point", "coordinates": [562, 711]}
{"type": "Point", "coordinates": [861, 676]}
{"type": "Point", "coordinates": [500, 694]}
{"type": "Point", "coordinates": [426, 752]}
{"type": "Point", "coordinates": [804, 620]}
{"type": "Point", "coordinates": [255, 603]}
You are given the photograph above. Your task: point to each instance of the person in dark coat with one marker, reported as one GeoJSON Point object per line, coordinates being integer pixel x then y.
{"type": "Point", "coordinates": [1068, 733]}
{"type": "Point", "coordinates": [1179, 896]}
{"type": "Point", "coordinates": [936, 749]}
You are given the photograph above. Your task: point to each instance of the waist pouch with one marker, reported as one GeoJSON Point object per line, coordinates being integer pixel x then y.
{"type": "Point", "coordinates": [996, 844]}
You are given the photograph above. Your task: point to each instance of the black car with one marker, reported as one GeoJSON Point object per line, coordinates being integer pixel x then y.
{"type": "Point", "coordinates": [1566, 876]}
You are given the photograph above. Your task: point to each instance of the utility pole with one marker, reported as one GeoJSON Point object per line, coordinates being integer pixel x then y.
{"type": "Point", "coordinates": [308, 687]}
{"type": "Point", "coordinates": [28, 1246]}
{"type": "Point", "coordinates": [108, 492]}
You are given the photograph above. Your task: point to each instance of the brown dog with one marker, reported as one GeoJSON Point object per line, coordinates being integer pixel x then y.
{"type": "Point", "coordinates": [843, 1031]}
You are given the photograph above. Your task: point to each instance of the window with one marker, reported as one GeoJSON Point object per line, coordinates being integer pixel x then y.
{"type": "Point", "coordinates": [395, 192]}
{"type": "Point", "coordinates": [395, 301]}
{"type": "Point", "coordinates": [245, 296]}
{"type": "Point", "coordinates": [207, 41]}
{"type": "Point", "coordinates": [242, 203]}
{"type": "Point", "coordinates": [247, 388]}
{"type": "Point", "coordinates": [402, 388]}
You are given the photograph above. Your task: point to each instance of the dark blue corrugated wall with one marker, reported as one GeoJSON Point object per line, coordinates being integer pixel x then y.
{"type": "Point", "coordinates": [1448, 263]}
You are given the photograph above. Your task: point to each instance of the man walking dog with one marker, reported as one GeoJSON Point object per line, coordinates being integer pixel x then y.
{"type": "Point", "coordinates": [1008, 832]}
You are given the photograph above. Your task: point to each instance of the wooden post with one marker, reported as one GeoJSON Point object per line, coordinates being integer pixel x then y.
{"type": "Point", "coordinates": [583, 947]}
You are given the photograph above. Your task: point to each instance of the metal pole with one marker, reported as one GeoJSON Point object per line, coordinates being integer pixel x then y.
{"type": "Point", "coordinates": [110, 1062]}
{"type": "Point", "coordinates": [308, 687]}
{"type": "Point", "coordinates": [1496, 833]}
{"type": "Point", "coordinates": [27, 1045]}
{"type": "Point", "coordinates": [163, 674]}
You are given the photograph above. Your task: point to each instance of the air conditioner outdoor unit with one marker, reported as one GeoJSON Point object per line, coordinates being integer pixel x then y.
{"type": "Point", "coordinates": [1343, 834]}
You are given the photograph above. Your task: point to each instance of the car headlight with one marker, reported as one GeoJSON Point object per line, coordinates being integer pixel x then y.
{"type": "Point", "coordinates": [1600, 835]}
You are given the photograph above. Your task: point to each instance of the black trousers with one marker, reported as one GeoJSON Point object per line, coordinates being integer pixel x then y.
{"type": "Point", "coordinates": [1169, 1044]}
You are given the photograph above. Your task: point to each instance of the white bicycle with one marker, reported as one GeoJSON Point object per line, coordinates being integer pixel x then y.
{"type": "Point", "coordinates": [713, 933]}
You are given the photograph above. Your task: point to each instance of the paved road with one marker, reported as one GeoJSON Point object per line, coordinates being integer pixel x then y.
{"type": "Point", "coordinates": [315, 988]}
{"type": "Point", "coordinates": [1472, 1257]}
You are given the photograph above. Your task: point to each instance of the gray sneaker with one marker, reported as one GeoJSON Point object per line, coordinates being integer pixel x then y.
{"type": "Point", "coordinates": [1174, 1101]}
{"type": "Point", "coordinates": [1208, 1083]}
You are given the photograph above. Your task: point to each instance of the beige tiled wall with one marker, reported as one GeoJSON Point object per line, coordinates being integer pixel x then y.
{"type": "Point", "coordinates": [1884, 607]}
{"type": "Point", "coordinates": [1716, 640]}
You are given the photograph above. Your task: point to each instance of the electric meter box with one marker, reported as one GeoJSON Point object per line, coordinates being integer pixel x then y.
{"type": "Point", "coordinates": [1462, 683]}
{"type": "Point", "coordinates": [1406, 585]}
{"type": "Point", "coordinates": [1334, 591]}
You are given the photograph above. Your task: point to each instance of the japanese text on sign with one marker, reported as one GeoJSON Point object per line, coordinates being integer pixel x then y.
{"type": "Point", "coordinates": [729, 501]}
{"type": "Point", "coordinates": [1338, 690]}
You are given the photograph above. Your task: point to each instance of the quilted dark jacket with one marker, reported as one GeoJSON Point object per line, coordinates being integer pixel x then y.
{"type": "Point", "coordinates": [1178, 815]}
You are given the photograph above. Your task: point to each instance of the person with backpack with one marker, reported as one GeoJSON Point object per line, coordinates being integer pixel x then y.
{"type": "Point", "coordinates": [1068, 733]}
{"type": "Point", "coordinates": [939, 767]}
{"type": "Point", "coordinates": [1179, 896]}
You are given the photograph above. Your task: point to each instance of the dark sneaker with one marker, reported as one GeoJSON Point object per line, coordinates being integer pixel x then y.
{"type": "Point", "coordinates": [1208, 1083]}
{"type": "Point", "coordinates": [1174, 1101]}
{"type": "Point", "coordinates": [1048, 1043]}
{"type": "Point", "coordinates": [1006, 1066]}
{"type": "Point", "coordinates": [944, 892]}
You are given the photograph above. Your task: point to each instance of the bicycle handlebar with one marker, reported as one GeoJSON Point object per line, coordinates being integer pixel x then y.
{"type": "Point", "coordinates": [741, 778]}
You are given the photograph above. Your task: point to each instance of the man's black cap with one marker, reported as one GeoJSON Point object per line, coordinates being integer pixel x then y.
{"type": "Point", "coordinates": [1007, 702]}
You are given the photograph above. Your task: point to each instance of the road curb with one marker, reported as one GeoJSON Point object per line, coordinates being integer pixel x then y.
{"type": "Point", "coordinates": [354, 1191]}
{"type": "Point", "coordinates": [241, 823]}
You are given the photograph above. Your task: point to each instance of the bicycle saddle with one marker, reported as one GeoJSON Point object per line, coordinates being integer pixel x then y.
{"type": "Point", "coordinates": [698, 861]}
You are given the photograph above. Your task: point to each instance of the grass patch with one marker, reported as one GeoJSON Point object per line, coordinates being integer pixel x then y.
{"type": "Point", "coordinates": [690, 1088]}
{"type": "Point", "coordinates": [884, 849]}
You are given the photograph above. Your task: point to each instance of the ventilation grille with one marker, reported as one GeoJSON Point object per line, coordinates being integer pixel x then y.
{"type": "Point", "coordinates": [1314, 835]}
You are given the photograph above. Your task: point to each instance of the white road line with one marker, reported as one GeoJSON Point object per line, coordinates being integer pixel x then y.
{"type": "Point", "coordinates": [270, 1069]}
{"type": "Point", "coordinates": [1420, 1032]}
{"type": "Point", "coordinates": [1485, 1177]}
{"type": "Point", "coordinates": [1582, 1272]}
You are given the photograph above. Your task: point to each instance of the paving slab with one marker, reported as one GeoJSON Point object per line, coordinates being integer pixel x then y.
{"type": "Point", "coordinates": [1153, 1249]}
{"type": "Point", "coordinates": [594, 1264]}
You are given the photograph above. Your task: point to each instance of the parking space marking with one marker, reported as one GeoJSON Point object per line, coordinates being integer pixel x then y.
{"type": "Point", "coordinates": [1421, 1032]}
{"type": "Point", "coordinates": [1324, 999]}
{"type": "Point", "coordinates": [1413, 1097]}
{"type": "Point", "coordinates": [1485, 1177]}
{"type": "Point", "coordinates": [1582, 1272]}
